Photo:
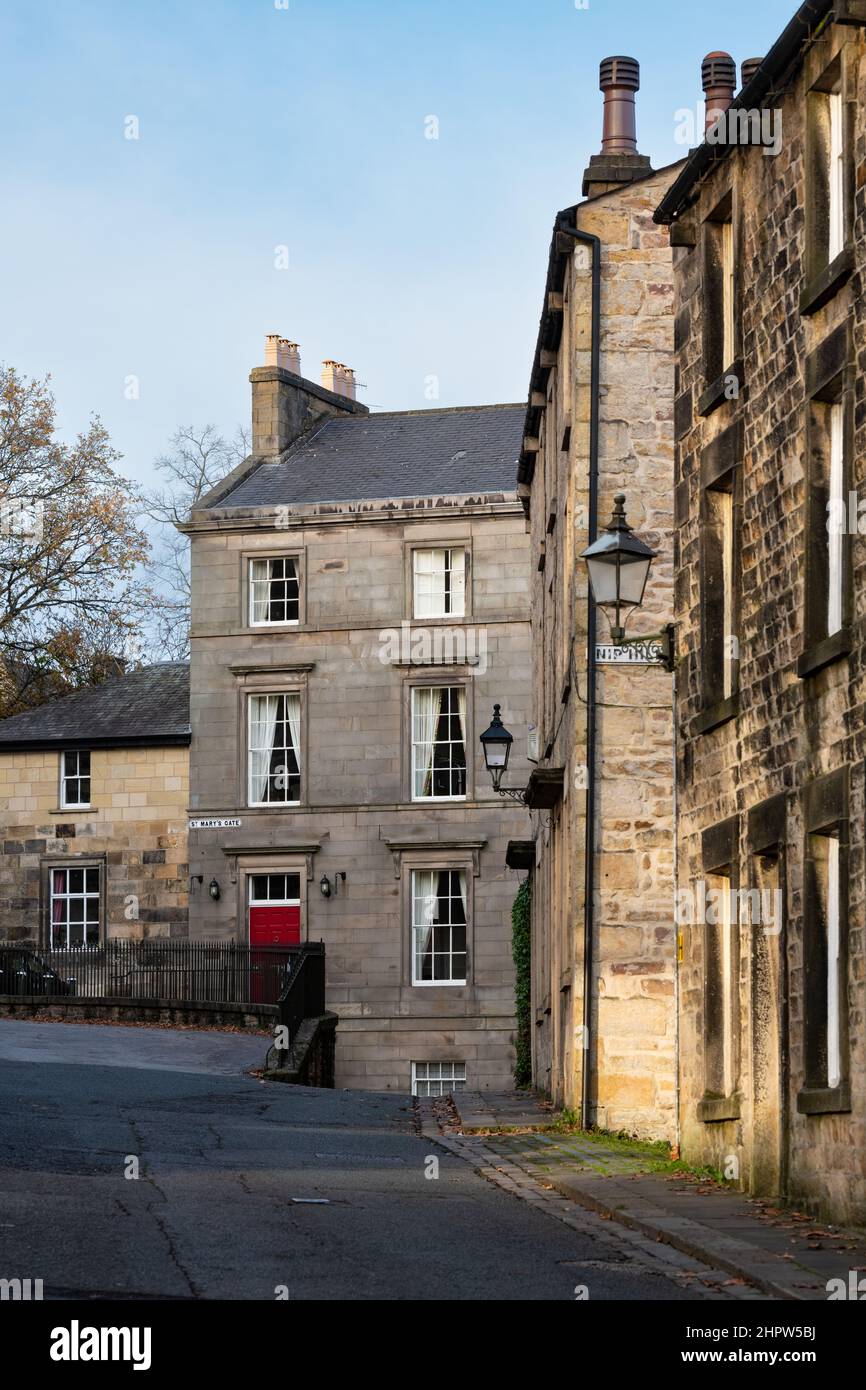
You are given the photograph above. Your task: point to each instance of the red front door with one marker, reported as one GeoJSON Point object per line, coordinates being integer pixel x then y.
{"type": "Point", "coordinates": [275, 925]}
{"type": "Point", "coordinates": [275, 920]}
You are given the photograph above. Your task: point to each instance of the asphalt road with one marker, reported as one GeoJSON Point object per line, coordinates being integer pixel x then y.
{"type": "Point", "coordinates": [227, 1167]}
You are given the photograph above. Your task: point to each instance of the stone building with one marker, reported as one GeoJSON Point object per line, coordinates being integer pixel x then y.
{"type": "Point", "coordinates": [93, 803]}
{"type": "Point", "coordinates": [771, 606]}
{"type": "Point", "coordinates": [600, 419]}
{"type": "Point", "coordinates": [360, 600]}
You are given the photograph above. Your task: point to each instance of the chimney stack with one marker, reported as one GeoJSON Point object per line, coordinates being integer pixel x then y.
{"type": "Point", "coordinates": [748, 68]}
{"type": "Point", "coordinates": [330, 379]}
{"type": "Point", "coordinates": [619, 162]}
{"type": "Point", "coordinates": [289, 356]}
{"type": "Point", "coordinates": [719, 79]}
{"type": "Point", "coordinates": [346, 379]}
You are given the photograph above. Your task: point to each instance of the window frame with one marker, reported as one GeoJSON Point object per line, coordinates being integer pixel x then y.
{"type": "Point", "coordinates": [68, 866]}
{"type": "Point", "coordinates": [454, 685]}
{"type": "Point", "coordinates": [720, 303]}
{"type": "Point", "coordinates": [63, 803]}
{"type": "Point", "coordinates": [722, 1045]}
{"type": "Point", "coordinates": [438, 542]}
{"type": "Point", "coordinates": [825, 818]}
{"type": "Point", "coordinates": [829, 397]}
{"type": "Point", "coordinates": [449, 867]}
{"type": "Point", "coordinates": [415, 1079]}
{"type": "Point", "coordinates": [268, 559]}
{"type": "Point", "coordinates": [449, 570]}
{"type": "Point", "coordinates": [829, 175]}
{"type": "Point", "coordinates": [720, 578]}
{"type": "Point", "coordinates": [284, 691]}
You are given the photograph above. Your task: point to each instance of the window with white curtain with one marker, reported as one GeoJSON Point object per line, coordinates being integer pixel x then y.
{"type": "Point", "coordinates": [274, 591]}
{"type": "Point", "coordinates": [274, 749]}
{"type": "Point", "coordinates": [438, 743]}
{"type": "Point", "coordinates": [439, 923]}
{"type": "Point", "coordinates": [439, 582]}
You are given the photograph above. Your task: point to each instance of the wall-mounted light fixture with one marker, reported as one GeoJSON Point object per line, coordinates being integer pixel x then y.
{"type": "Point", "coordinates": [619, 565]}
{"type": "Point", "coordinates": [496, 742]}
{"type": "Point", "coordinates": [325, 883]}
{"type": "Point", "coordinates": [214, 890]}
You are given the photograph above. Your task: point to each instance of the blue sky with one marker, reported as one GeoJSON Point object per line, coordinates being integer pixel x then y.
{"type": "Point", "coordinates": [304, 127]}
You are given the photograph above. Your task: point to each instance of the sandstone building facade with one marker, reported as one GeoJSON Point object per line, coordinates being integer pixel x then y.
{"type": "Point", "coordinates": [771, 608]}
{"type": "Point", "coordinates": [93, 800]}
{"type": "Point", "coordinates": [360, 600]}
{"type": "Point", "coordinates": [600, 420]}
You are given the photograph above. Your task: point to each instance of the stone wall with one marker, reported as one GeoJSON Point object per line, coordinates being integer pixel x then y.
{"type": "Point", "coordinates": [136, 830]}
{"type": "Point", "coordinates": [633, 1019]}
{"type": "Point", "coordinates": [786, 729]}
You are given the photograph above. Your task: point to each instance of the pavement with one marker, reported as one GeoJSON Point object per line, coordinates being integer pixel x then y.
{"type": "Point", "coordinates": [782, 1252]}
{"type": "Point", "coordinates": [140, 1163]}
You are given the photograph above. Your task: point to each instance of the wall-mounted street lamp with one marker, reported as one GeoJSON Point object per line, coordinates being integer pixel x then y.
{"type": "Point", "coordinates": [214, 890]}
{"type": "Point", "coordinates": [496, 742]}
{"type": "Point", "coordinates": [619, 565]}
{"type": "Point", "coordinates": [325, 883]}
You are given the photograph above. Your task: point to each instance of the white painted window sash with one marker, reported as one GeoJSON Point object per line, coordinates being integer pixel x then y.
{"type": "Point", "coordinates": [726, 510]}
{"type": "Point", "coordinates": [835, 511]}
{"type": "Point", "coordinates": [727, 983]}
{"type": "Point", "coordinates": [836, 209]}
{"type": "Point", "coordinates": [834, 1049]}
{"type": "Point", "coordinates": [728, 348]}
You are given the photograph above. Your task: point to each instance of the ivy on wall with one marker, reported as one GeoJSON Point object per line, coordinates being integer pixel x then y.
{"type": "Point", "coordinates": [521, 950]}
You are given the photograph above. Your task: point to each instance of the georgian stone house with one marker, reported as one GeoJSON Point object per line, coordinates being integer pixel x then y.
{"type": "Point", "coordinates": [359, 602]}
{"type": "Point", "coordinates": [600, 420]}
{"type": "Point", "coordinates": [93, 806]}
{"type": "Point", "coordinates": [771, 607]}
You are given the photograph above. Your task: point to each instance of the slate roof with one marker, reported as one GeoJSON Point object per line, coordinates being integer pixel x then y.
{"type": "Point", "coordinates": [148, 706]}
{"type": "Point", "coordinates": [468, 450]}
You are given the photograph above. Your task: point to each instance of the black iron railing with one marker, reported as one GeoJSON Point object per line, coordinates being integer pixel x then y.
{"type": "Point", "coordinates": [195, 972]}
{"type": "Point", "coordinates": [303, 995]}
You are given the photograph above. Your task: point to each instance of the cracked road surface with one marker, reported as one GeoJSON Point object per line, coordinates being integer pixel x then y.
{"type": "Point", "coordinates": [227, 1169]}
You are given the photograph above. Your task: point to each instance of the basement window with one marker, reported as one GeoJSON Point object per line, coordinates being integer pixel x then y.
{"type": "Point", "coordinates": [438, 1078]}
{"type": "Point", "coordinates": [74, 779]}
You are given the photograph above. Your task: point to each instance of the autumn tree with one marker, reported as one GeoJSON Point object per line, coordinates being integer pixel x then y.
{"type": "Point", "coordinates": [197, 459]}
{"type": "Point", "coordinates": [72, 601]}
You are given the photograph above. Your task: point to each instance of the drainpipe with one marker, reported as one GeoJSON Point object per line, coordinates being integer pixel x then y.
{"type": "Point", "coordinates": [588, 239]}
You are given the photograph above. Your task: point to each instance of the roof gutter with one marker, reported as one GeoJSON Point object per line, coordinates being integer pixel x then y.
{"type": "Point", "coordinates": [783, 57]}
{"type": "Point", "coordinates": [549, 332]}
{"type": "Point", "coordinates": [34, 745]}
